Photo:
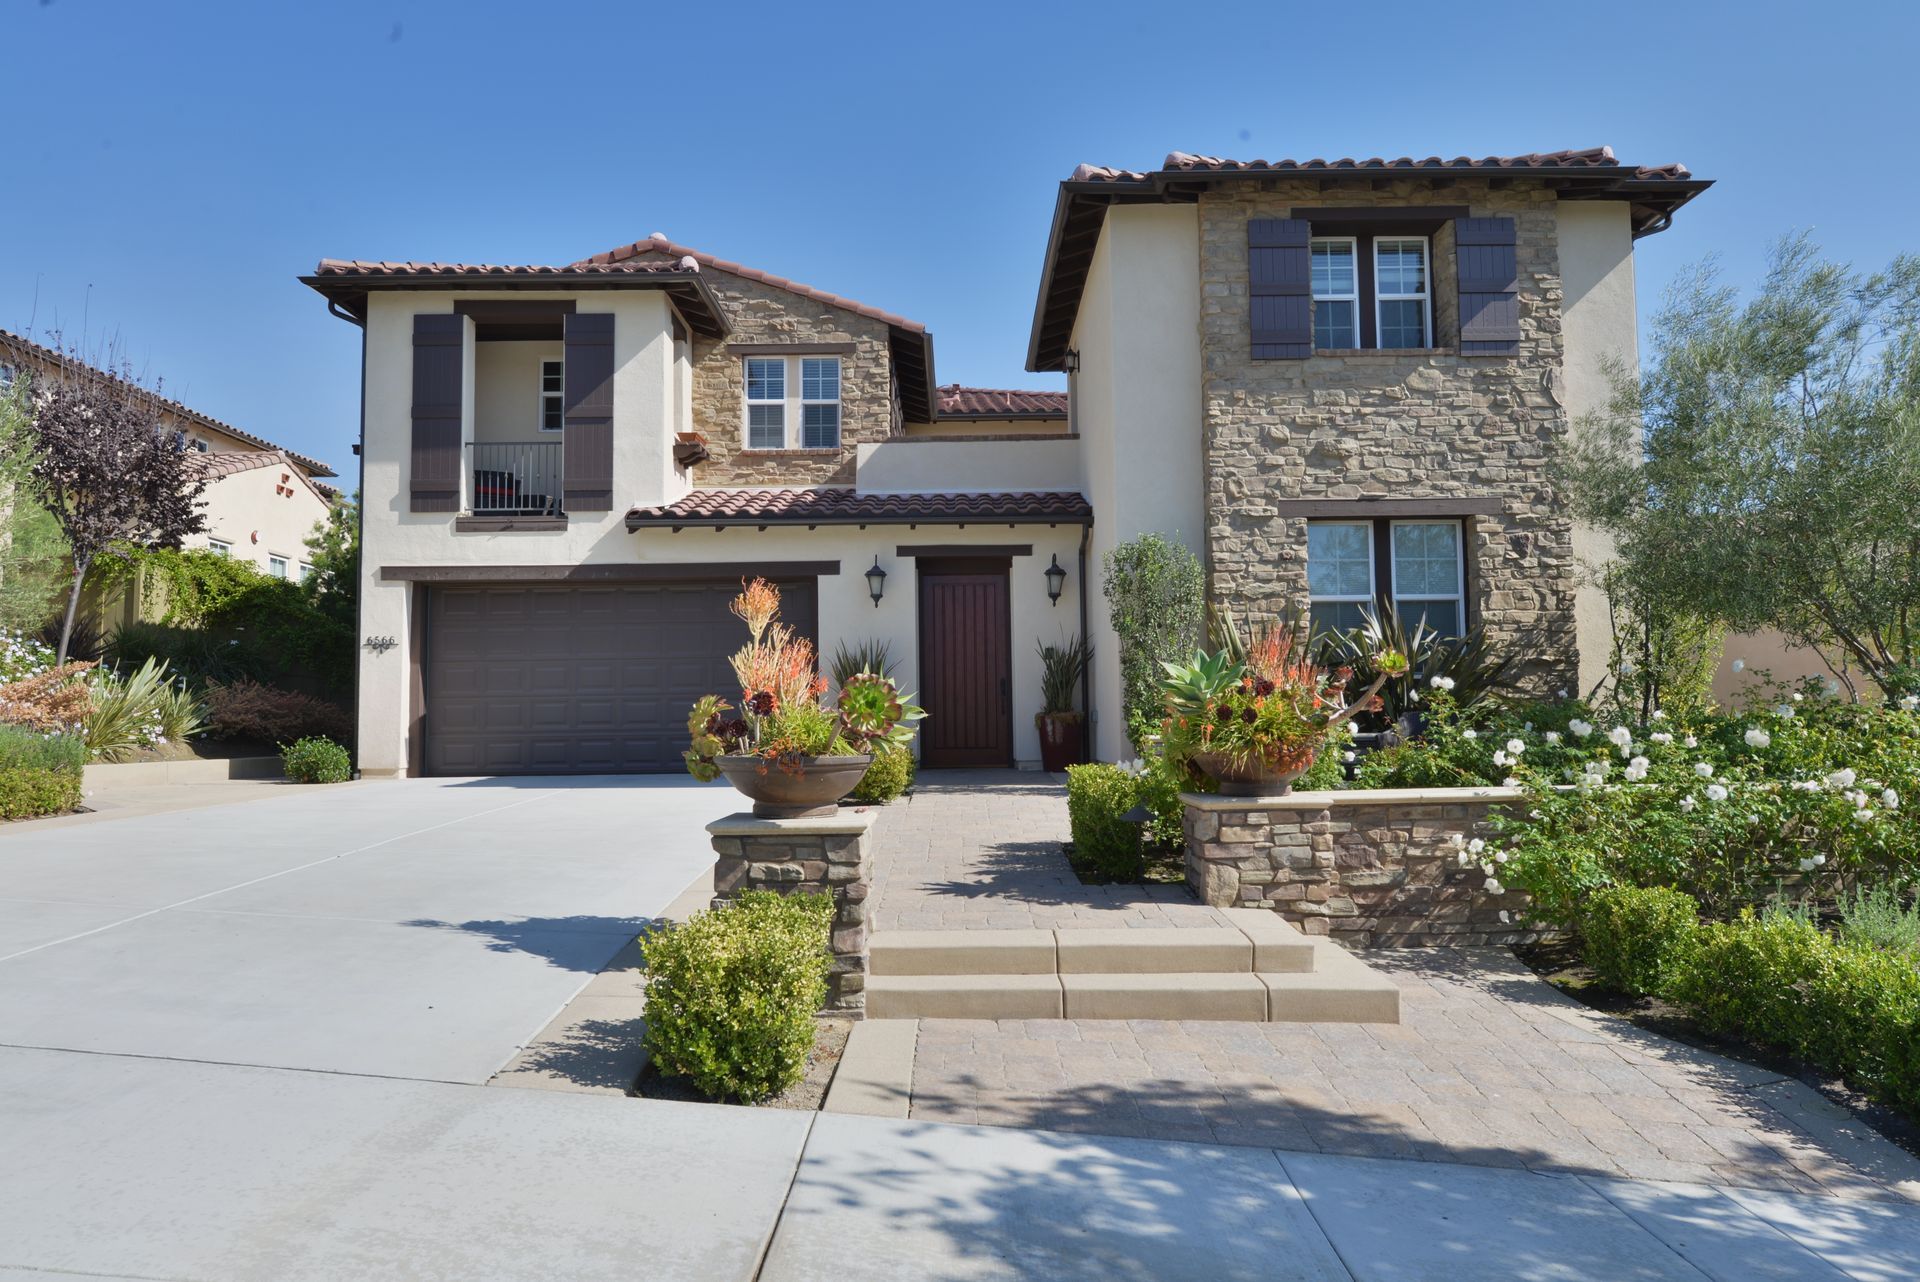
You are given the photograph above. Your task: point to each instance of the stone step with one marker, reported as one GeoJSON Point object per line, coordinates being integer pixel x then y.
{"type": "Point", "coordinates": [1253, 941]}
{"type": "Point", "coordinates": [1340, 989]}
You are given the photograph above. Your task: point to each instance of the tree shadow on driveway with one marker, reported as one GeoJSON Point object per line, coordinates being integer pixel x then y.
{"type": "Point", "coordinates": [583, 943]}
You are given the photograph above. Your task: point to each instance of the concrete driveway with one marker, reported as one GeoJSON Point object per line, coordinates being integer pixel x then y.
{"type": "Point", "coordinates": [421, 929]}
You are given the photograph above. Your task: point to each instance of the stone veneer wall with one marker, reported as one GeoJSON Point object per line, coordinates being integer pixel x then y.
{"type": "Point", "coordinates": [1368, 867]}
{"type": "Point", "coordinates": [1402, 424]}
{"type": "Point", "coordinates": [763, 314]}
{"type": "Point", "coordinates": [834, 854]}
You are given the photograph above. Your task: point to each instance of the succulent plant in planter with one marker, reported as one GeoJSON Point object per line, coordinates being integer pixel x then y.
{"type": "Point", "coordinates": [1253, 715]}
{"type": "Point", "coordinates": [1059, 722]}
{"type": "Point", "coordinates": [786, 750]}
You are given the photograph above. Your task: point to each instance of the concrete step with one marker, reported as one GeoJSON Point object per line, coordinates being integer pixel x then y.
{"type": "Point", "coordinates": [1339, 989]}
{"type": "Point", "coordinates": [1253, 941]}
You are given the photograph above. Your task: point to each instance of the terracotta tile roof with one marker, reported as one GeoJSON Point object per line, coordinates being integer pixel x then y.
{"type": "Point", "coordinates": [658, 243]}
{"type": "Point", "coordinates": [217, 464]}
{"type": "Point", "coordinates": [1583, 158]}
{"type": "Point", "coordinates": [30, 350]}
{"type": "Point", "coordinates": [995, 402]}
{"type": "Point", "coordinates": [354, 267]}
{"type": "Point", "coordinates": [717, 508]}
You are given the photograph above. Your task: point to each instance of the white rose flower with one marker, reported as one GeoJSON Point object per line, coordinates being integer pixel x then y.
{"type": "Point", "coordinates": [1348, 756]}
{"type": "Point", "coordinates": [1703, 769]}
{"type": "Point", "coordinates": [1580, 729]}
{"type": "Point", "coordinates": [1469, 734]}
{"type": "Point", "coordinates": [1758, 738]}
{"type": "Point", "coordinates": [1799, 698]}
{"type": "Point", "coordinates": [1786, 711]}
{"type": "Point", "coordinates": [1477, 845]}
{"type": "Point", "coordinates": [1458, 841]}
{"type": "Point", "coordinates": [1552, 736]}
{"type": "Point", "coordinates": [1501, 758]}
{"type": "Point", "coordinates": [1890, 799]}
{"type": "Point", "coordinates": [1510, 782]}
{"type": "Point", "coordinates": [1819, 861]}
{"type": "Point", "coordinates": [1661, 737]}
{"type": "Point", "coordinates": [1659, 714]}
{"type": "Point", "coordinates": [1842, 778]}
{"type": "Point", "coordinates": [1807, 865]}
{"type": "Point", "coordinates": [1465, 859]}
{"type": "Point", "coordinates": [1515, 747]}
{"type": "Point", "coordinates": [1620, 735]}
{"type": "Point", "coordinates": [1716, 793]}
{"type": "Point", "coordinates": [1910, 701]}
{"type": "Point", "coordinates": [1691, 742]}
{"type": "Point", "coordinates": [1861, 816]}
{"type": "Point", "coordinates": [1494, 887]}
{"type": "Point", "coordinates": [1687, 803]}
{"type": "Point", "coordinates": [1502, 857]}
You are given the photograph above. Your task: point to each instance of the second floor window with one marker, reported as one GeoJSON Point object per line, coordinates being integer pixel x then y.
{"type": "Point", "coordinates": [277, 566]}
{"type": "Point", "coordinates": [219, 547]}
{"type": "Point", "coordinates": [1371, 292]}
{"type": "Point", "coordinates": [784, 391]}
{"type": "Point", "coordinates": [553, 386]}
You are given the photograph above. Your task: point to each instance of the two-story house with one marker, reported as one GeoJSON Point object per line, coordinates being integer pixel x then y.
{"type": "Point", "coordinates": [1338, 382]}
{"type": "Point", "coordinates": [261, 500]}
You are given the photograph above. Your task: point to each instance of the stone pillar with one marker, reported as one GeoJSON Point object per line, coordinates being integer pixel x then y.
{"type": "Point", "coordinates": [833, 854]}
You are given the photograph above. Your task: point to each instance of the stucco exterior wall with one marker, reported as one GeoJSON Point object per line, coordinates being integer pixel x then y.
{"type": "Point", "coordinates": [1138, 410]}
{"type": "Point", "coordinates": [1428, 424]}
{"type": "Point", "coordinates": [260, 515]}
{"type": "Point", "coordinates": [506, 390]}
{"type": "Point", "coordinates": [906, 465]}
{"type": "Point", "coordinates": [1599, 322]}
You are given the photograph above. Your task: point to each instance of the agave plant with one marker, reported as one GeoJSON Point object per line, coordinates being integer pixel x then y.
{"type": "Point", "coordinates": [1472, 664]}
{"type": "Point", "coordinates": [868, 656]}
{"type": "Point", "coordinates": [1193, 686]}
{"type": "Point", "coordinates": [1061, 669]}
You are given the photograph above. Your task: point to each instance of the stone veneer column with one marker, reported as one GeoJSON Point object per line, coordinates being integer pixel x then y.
{"type": "Point", "coordinates": [1367, 867]}
{"type": "Point", "coordinates": [833, 854]}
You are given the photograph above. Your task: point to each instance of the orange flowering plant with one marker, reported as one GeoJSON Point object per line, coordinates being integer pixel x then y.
{"type": "Point", "coordinates": [781, 717]}
{"type": "Point", "coordinates": [1262, 710]}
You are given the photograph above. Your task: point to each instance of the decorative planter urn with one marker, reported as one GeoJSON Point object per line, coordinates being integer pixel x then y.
{"type": "Point", "coordinates": [1059, 740]}
{"type": "Point", "coordinates": [1253, 778]}
{"type": "Point", "coordinates": [800, 789]}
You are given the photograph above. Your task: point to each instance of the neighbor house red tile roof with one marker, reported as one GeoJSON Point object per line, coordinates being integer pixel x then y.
{"type": "Point", "coordinates": [1651, 192]}
{"type": "Point", "coordinates": [216, 464]}
{"type": "Point", "coordinates": [1583, 158]}
{"type": "Point", "coordinates": [714, 508]}
{"type": "Point", "coordinates": [360, 267]}
{"type": "Point", "coordinates": [25, 349]}
{"type": "Point", "coordinates": [995, 402]}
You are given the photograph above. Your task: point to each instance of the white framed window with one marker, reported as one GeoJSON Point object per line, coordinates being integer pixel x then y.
{"type": "Point", "coordinates": [1403, 297]}
{"type": "Point", "coordinates": [219, 547]}
{"type": "Point", "coordinates": [1339, 573]}
{"type": "Point", "coordinates": [1429, 574]}
{"type": "Point", "coordinates": [306, 571]}
{"type": "Point", "coordinates": [277, 566]}
{"type": "Point", "coordinates": [820, 402]}
{"type": "Point", "coordinates": [766, 403]}
{"type": "Point", "coordinates": [553, 387]}
{"type": "Point", "coordinates": [1336, 291]}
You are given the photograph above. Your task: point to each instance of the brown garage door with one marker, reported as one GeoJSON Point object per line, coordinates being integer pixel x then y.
{"type": "Point", "coordinates": [578, 679]}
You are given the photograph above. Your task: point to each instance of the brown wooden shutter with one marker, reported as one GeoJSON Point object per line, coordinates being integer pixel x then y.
{"type": "Point", "coordinates": [1280, 283]}
{"type": "Point", "coordinates": [1489, 286]}
{"type": "Point", "coordinates": [588, 407]}
{"type": "Point", "coordinates": [439, 343]}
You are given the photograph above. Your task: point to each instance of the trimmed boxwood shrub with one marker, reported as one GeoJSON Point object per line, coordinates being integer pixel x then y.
{"type": "Point", "coordinates": [1097, 796]}
{"type": "Point", "coordinates": [886, 778]}
{"type": "Point", "coordinates": [1637, 940]}
{"type": "Point", "coordinates": [316, 761]}
{"type": "Point", "coordinates": [40, 774]}
{"type": "Point", "coordinates": [731, 993]}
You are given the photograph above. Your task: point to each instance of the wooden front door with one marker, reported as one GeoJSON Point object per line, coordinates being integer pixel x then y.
{"type": "Point", "coordinates": [966, 664]}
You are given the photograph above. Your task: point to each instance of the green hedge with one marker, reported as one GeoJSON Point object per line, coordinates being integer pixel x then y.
{"type": "Point", "coordinates": [316, 761]}
{"type": "Point", "coordinates": [886, 778]}
{"type": "Point", "coordinates": [1637, 940]}
{"type": "Point", "coordinates": [40, 774]}
{"type": "Point", "coordinates": [731, 993]}
{"type": "Point", "coordinates": [1097, 796]}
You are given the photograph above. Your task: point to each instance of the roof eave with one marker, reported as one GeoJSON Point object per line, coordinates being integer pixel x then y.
{"type": "Point", "coordinates": [349, 291]}
{"type": "Point", "coordinates": [678, 523]}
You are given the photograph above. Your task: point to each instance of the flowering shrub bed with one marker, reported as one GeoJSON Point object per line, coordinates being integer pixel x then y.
{"type": "Point", "coordinates": [40, 773]}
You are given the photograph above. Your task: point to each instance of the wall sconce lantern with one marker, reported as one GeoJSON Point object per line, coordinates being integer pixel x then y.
{"type": "Point", "coordinates": [876, 582]}
{"type": "Point", "coordinates": [1056, 580]}
{"type": "Point", "coordinates": [1071, 361]}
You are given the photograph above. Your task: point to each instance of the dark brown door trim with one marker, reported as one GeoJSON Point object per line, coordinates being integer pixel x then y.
{"type": "Point", "coordinates": [617, 573]}
{"type": "Point", "coordinates": [964, 549]}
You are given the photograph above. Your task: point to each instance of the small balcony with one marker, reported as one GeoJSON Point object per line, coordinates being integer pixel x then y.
{"type": "Point", "coordinates": [516, 478]}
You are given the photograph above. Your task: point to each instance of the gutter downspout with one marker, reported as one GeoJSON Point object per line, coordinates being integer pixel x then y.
{"type": "Point", "coordinates": [1086, 673]}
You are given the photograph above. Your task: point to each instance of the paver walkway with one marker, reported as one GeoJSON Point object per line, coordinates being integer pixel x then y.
{"type": "Point", "coordinates": [980, 849]}
{"type": "Point", "coordinates": [1489, 1066]}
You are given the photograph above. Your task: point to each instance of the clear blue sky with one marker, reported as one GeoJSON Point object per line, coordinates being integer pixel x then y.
{"type": "Point", "coordinates": [173, 166]}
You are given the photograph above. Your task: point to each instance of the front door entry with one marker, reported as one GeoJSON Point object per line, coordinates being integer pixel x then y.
{"type": "Point", "coordinates": [966, 663]}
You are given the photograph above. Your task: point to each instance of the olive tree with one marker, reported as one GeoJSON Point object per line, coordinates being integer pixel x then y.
{"type": "Point", "coordinates": [1155, 593]}
{"type": "Point", "coordinates": [1764, 470]}
{"type": "Point", "coordinates": [108, 469]}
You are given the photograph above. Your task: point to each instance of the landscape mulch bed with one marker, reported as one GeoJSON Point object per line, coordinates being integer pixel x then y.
{"type": "Point", "coordinates": [1559, 963]}
{"type": "Point", "coordinates": [806, 1095]}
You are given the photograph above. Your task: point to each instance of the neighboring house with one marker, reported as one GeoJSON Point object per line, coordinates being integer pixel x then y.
{"type": "Point", "coordinates": [262, 501]}
{"type": "Point", "coordinates": [1337, 382]}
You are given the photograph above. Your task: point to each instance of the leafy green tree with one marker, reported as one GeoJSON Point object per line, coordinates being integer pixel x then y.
{"type": "Point", "coordinates": [32, 551]}
{"type": "Point", "coordinates": [334, 553]}
{"type": "Point", "coordinates": [1155, 592]}
{"type": "Point", "coordinates": [1765, 470]}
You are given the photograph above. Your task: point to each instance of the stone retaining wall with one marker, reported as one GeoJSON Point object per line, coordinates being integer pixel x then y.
{"type": "Point", "coordinates": [1370, 868]}
{"type": "Point", "coordinates": [834, 854]}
